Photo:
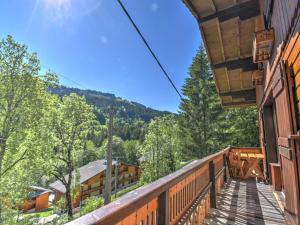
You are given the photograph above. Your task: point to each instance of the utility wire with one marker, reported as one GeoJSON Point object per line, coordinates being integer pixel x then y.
{"type": "Point", "coordinates": [149, 48]}
{"type": "Point", "coordinates": [65, 77]}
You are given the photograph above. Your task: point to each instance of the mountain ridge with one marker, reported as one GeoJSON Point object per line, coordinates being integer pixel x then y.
{"type": "Point", "coordinates": [126, 109]}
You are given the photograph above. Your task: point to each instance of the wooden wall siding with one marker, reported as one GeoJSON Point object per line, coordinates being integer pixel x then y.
{"type": "Point", "coordinates": [281, 20]}
{"type": "Point", "coordinates": [292, 59]}
{"type": "Point", "coordinates": [281, 94]}
{"type": "Point", "coordinates": [42, 202]}
{"type": "Point", "coordinates": [291, 165]}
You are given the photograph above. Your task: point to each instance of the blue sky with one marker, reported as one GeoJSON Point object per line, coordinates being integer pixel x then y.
{"type": "Point", "coordinates": [92, 43]}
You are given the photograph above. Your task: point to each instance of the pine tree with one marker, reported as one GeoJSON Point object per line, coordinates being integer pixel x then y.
{"type": "Point", "coordinates": [200, 110]}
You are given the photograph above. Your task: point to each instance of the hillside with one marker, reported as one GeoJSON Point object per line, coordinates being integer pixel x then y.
{"type": "Point", "coordinates": [127, 110]}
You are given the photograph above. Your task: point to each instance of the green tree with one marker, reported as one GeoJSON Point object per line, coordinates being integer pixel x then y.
{"type": "Point", "coordinates": [242, 127]}
{"type": "Point", "coordinates": [205, 125]}
{"type": "Point", "coordinates": [131, 149]}
{"type": "Point", "coordinates": [71, 120]}
{"type": "Point", "coordinates": [161, 149]}
{"type": "Point", "coordinates": [200, 111]}
{"type": "Point", "coordinates": [92, 204]}
{"type": "Point", "coordinates": [118, 152]}
{"type": "Point", "coordinates": [24, 102]}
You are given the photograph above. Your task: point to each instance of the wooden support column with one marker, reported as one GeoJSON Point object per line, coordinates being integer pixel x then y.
{"type": "Point", "coordinates": [163, 209]}
{"type": "Point", "coordinates": [212, 179]}
{"type": "Point", "coordinates": [225, 168]}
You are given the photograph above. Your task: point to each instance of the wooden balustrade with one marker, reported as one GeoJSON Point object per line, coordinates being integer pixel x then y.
{"type": "Point", "coordinates": [245, 162]}
{"type": "Point", "coordinates": [183, 197]}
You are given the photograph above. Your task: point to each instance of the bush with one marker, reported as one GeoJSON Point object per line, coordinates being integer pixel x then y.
{"type": "Point", "coordinates": [92, 204]}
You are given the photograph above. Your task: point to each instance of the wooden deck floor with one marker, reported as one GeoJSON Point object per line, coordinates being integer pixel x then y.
{"type": "Point", "coordinates": [246, 202]}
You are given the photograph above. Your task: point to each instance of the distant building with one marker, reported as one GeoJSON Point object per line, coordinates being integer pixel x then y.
{"type": "Point", "coordinates": [92, 179]}
{"type": "Point", "coordinates": [37, 199]}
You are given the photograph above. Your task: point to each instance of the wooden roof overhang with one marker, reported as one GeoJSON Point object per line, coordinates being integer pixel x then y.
{"type": "Point", "coordinates": [227, 28]}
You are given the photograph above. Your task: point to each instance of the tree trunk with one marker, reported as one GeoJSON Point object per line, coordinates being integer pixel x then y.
{"type": "Point", "coordinates": [2, 150]}
{"type": "Point", "coordinates": [107, 195]}
{"type": "Point", "coordinates": [68, 186]}
{"type": "Point", "coordinates": [69, 200]}
{"type": "Point", "coordinates": [157, 155]}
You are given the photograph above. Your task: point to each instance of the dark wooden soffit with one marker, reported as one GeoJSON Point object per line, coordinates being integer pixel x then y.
{"type": "Point", "coordinates": [239, 104]}
{"type": "Point", "coordinates": [248, 95]}
{"type": "Point", "coordinates": [244, 64]}
{"type": "Point", "coordinates": [243, 10]}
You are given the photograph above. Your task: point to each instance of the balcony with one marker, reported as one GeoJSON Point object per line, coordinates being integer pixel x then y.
{"type": "Point", "coordinates": [203, 192]}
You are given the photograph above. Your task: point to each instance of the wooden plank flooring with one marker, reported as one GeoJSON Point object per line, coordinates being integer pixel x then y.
{"type": "Point", "coordinates": [246, 202]}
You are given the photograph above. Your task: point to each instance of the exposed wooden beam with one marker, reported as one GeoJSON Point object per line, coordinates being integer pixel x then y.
{"type": "Point", "coordinates": [245, 64]}
{"type": "Point", "coordinates": [239, 104]}
{"type": "Point", "coordinates": [192, 9]}
{"type": "Point", "coordinates": [238, 37]}
{"type": "Point", "coordinates": [243, 10]}
{"type": "Point", "coordinates": [213, 5]}
{"type": "Point", "coordinates": [227, 78]}
{"type": "Point", "coordinates": [221, 41]}
{"type": "Point", "coordinates": [248, 95]}
{"type": "Point", "coordinates": [241, 79]}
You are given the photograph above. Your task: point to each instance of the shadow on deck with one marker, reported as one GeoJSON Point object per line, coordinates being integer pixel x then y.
{"type": "Point", "coordinates": [246, 202]}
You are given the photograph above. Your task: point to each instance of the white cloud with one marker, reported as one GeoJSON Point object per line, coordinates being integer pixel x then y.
{"type": "Point", "coordinates": [58, 4]}
{"type": "Point", "coordinates": [62, 10]}
{"type": "Point", "coordinates": [104, 39]}
{"type": "Point", "coordinates": [58, 9]}
{"type": "Point", "coordinates": [154, 7]}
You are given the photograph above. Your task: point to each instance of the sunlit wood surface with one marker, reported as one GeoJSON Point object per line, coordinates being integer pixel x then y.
{"type": "Point", "coordinates": [246, 202]}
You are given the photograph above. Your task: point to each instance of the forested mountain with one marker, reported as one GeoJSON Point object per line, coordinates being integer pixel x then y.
{"type": "Point", "coordinates": [126, 110]}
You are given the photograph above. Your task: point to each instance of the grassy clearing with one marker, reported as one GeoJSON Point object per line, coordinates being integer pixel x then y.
{"type": "Point", "coordinates": [125, 191]}
{"type": "Point", "coordinates": [45, 213]}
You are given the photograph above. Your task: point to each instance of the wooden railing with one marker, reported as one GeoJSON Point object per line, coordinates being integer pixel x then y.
{"type": "Point", "coordinates": [245, 162]}
{"type": "Point", "coordinates": [183, 197]}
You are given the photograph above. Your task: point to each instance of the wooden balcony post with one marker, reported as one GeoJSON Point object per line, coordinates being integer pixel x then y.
{"type": "Point", "coordinates": [212, 179]}
{"type": "Point", "coordinates": [163, 209]}
{"type": "Point", "coordinates": [225, 168]}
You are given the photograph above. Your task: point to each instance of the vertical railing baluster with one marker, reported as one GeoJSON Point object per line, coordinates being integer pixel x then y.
{"type": "Point", "coordinates": [163, 209]}
{"type": "Point", "coordinates": [212, 179]}
{"type": "Point", "coordinates": [225, 167]}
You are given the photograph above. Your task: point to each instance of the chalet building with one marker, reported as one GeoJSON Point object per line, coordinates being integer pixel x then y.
{"type": "Point", "coordinates": [37, 200]}
{"type": "Point", "coordinates": [254, 51]}
{"type": "Point", "coordinates": [92, 179]}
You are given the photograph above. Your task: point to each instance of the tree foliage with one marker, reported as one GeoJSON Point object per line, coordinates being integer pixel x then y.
{"type": "Point", "coordinates": [24, 102]}
{"type": "Point", "coordinates": [71, 120]}
{"type": "Point", "coordinates": [161, 149]}
{"type": "Point", "coordinates": [206, 126]}
{"type": "Point", "coordinates": [47, 132]}
{"type": "Point", "coordinates": [200, 111]}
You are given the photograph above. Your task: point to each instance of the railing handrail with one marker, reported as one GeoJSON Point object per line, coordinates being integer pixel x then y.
{"type": "Point", "coordinates": [127, 204]}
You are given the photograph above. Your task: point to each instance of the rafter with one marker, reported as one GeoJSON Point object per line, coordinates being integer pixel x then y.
{"type": "Point", "coordinates": [248, 95]}
{"type": "Point", "coordinates": [239, 104]}
{"type": "Point", "coordinates": [245, 64]}
{"type": "Point", "coordinates": [238, 37]}
{"type": "Point", "coordinates": [213, 5]}
{"type": "Point", "coordinates": [221, 40]}
{"type": "Point", "coordinates": [227, 78]}
{"type": "Point", "coordinates": [243, 10]}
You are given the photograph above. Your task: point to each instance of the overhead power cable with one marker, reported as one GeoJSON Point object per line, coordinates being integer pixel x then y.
{"type": "Point", "coordinates": [149, 48]}
{"type": "Point", "coordinates": [65, 77]}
